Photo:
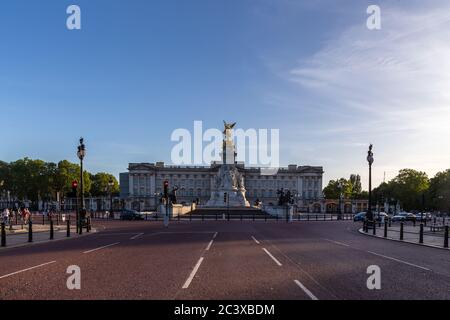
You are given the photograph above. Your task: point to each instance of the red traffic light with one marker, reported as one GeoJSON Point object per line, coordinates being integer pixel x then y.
{"type": "Point", "coordinates": [74, 184]}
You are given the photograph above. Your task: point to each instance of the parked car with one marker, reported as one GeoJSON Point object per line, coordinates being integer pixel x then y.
{"type": "Point", "coordinates": [404, 216]}
{"type": "Point", "coordinates": [359, 217]}
{"type": "Point", "coordinates": [423, 216]}
{"type": "Point", "coordinates": [378, 216]}
{"type": "Point", "coordinates": [130, 215]}
{"type": "Point", "coordinates": [381, 216]}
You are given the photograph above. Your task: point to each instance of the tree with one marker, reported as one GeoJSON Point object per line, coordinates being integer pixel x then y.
{"type": "Point", "coordinates": [408, 187]}
{"type": "Point", "coordinates": [438, 194]}
{"type": "Point", "coordinates": [332, 190]}
{"type": "Point", "coordinates": [68, 172]}
{"type": "Point", "coordinates": [355, 181]}
{"type": "Point", "coordinates": [100, 184]}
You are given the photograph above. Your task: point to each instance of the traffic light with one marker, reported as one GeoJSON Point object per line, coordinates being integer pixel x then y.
{"type": "Point", "coordinates": [225, 197]}
{"type": "Point", "coordinates": [74, 187]}
{"type": "Point", "coordinates": [166, 189]}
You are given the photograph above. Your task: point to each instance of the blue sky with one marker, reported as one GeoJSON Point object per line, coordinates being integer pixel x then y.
{"type": "Point", "coordinates": [140, 69]}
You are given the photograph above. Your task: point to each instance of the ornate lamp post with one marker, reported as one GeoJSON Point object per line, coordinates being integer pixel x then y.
{"type": "Point", "coordinates": [81, 154]}
{"type": "Point", "coordinates": [340, 200]}
{"type": "Point", "coordinates": [370, 161]}
{"type": "Point", "coordinates": [111, 185]}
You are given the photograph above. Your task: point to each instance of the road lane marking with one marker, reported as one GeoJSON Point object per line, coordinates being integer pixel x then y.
{"type": "Point", "coordinates": [273, 258]}
{"type": "Point", "coordinates": [337, 242]}
{"type": "Point", "coordinates": [27, 269]}
{"type": "Point", "coordinates": [192, 275]}
{"type": "Point", "coordinates": [309, 293]}
{"type": "Point", "coordinates": [254, 239]}
{"type": "Point", "coordinates": [137, 236]}
{"type": "Point", "coordinates": [209, 245]}
{"type": "Point", "coordinates": [398, 260]}
{"type": "Point", "coordinates": [99, 248]}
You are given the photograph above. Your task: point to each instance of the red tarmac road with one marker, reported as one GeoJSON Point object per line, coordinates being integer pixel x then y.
{"type": "Point", "coordinates": [224, 260]}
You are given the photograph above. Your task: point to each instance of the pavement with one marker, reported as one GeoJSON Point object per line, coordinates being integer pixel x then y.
{"type": "Point", "coordinates": [411, 234]}
{"type": "Point", "coordinates": [224, 260]}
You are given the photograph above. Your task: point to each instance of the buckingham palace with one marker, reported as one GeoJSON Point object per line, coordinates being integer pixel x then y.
{"type": "Point", "coordinates": [141, 186]}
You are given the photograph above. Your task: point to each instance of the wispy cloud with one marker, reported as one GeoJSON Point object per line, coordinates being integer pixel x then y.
{"type": "Point", "coordinates": [393, 83]}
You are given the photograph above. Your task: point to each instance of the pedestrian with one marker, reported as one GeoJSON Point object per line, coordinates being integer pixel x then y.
{"type": "Point", "coordinates": [5, 216]}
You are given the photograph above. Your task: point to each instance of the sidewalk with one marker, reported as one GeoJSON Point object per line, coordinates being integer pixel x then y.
{"type": "Point", "coordinates": [411, 234]}
{"type": "Point", "coordinates": [21, 239]}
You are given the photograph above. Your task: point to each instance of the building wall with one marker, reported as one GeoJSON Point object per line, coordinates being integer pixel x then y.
{"type": "Point", "coordinates": [143, 184]}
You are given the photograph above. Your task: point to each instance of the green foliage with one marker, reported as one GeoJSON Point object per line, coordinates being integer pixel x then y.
{"type": "Point", "coordinates": [333, 189]}
{"type": "Point", "coordinates": [438, 195]}
{"type": "Point", "coordinates": [37, 179]}
{"type": "Point", "coordinates": [101, 184]}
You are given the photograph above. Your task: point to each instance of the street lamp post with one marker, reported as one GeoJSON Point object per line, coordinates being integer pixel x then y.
{"type": "Point", "coordinates": [370, 161]}
{"type": "Point", "coordinates": [81, 154]}
{"type": "Point", "coordinates": [111, 185]}
{"type": "Point", "coordinates": [340, 201]}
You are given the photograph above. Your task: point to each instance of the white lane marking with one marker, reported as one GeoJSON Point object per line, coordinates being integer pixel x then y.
{"type": "Point", "coordinates": [99, 248]}
{"type": "Point", "coordinates": [273, 258]}
{"type": "Point", "coordinates": [27, 269]}
{"type": "Point", "coordinates": [398, 260]}
{"type": "Point", "coordinates": [192, 275]}
{"type": "Point", "coordinates": [215, 235]}
{"type": "Point", "coordinates": [309, 293]}
{"type": "Point", "coordinates": [254, 239]}
{"type": "Point", "coordinates": [337, 242]}
{"type": "Point", "coordinates": [209, 245]}
{"type": "Point", "coordinates": [137, 236]}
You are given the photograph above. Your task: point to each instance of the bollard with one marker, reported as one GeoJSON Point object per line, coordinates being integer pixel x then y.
{"type": "Point", "coordinates": [57, 219]}
{"type": "Point", "coordinates": [307, 219]}
{"type": "Point", "coordinates": [68, 228]}
{"type": "Point", "coordinates": [324, 217]}
{"type": "Point", "coordinates": [241, 216]}
{"type": "Point", "coordinates": [43, 219]}
{"type": "Point", "coordinates": [317, 217]}
{"type": "Point", "coordinates": [374, 231]}
{"type": "Point", "coordinates": [385, 228]}
{"type": "Point", "coordinates": [446, 237]}
{"type": "Point", "coordinates": [30, 231]}
{"type": "Point", "coordinates": [421, 233]}
{"type": "Point", "coordinates": [179, 217]}
{"type": "Point", "coordinates": [365, 226]}
{"type": "Point", "coordinates": [88, 224]}
{"type": "Point", "coordinates": [3, 235]}
{"type": "Point", "coordinates": [414, 223]}
{"type": "Point", "coordinates": [51, 229]}
{"type": "Point", "coordinates": [401, 231]}
{"type": "Point", "coordinates": [80, 228]}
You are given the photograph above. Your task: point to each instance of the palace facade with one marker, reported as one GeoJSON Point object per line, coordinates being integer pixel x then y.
{"type": "Point", "coordinates": [141, 186]}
